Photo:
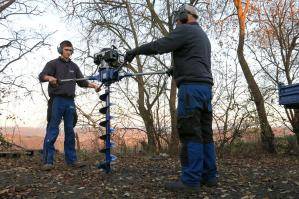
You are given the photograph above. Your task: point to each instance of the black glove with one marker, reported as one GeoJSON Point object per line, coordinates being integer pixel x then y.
{"type": "Point", "coordinates": [130, 55]}
{"type": "Point", "coordinates": [169, 72]}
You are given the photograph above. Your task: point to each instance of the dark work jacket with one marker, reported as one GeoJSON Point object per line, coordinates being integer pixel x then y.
{"type": "Point", "coordinates": [191, 53]}
{"type": "Point", "coordinates": [62, 69]}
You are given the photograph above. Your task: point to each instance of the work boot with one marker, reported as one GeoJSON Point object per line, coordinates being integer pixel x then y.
{"type": "Point", "coordinates": [209, 183]}
{"type": "Point", "coordinates": [180, 186]}
{"type": "Point", "coordinates": [77, 165]}
{"type": "Point", "coordinates": [47, 167]}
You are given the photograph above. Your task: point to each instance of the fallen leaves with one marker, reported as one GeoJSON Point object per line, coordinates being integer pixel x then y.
{"type": "Point", "coordinates": [245, 178]}
{"type": "Point", "coordinates": [4, 191]}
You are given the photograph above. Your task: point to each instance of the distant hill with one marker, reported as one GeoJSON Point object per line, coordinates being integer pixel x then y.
{"type": "Point", "coordinates": [32, 138]}
{"type": "Point", "coordinates": [24, 131]}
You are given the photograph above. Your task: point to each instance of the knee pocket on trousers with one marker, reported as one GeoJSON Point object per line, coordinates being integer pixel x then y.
{"type": "Point", "coordinates": [190, 125]}
{"type": "Point", "coordinates": [184, 155]}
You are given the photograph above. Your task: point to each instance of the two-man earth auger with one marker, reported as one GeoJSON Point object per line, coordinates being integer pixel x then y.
{"type": "Point", "coordinates": [109, 72]}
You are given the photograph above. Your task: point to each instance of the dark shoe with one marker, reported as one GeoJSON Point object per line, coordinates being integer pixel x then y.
{"type": "Point", "coordinates": [210, 183]}
{"type": "Point", "coordinates": [77, 165]}
{"type": "Point", "coordinates": [47, 167]}
{"type": "Point", "coordinates": [180, 186]}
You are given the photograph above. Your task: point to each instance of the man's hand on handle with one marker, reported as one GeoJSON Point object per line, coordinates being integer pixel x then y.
{"type": "Point", "coordinates": [130, 55]}
{"type": "Point", "coordinates": [52, 80]}
{"type": "Point", "coordinates": [96, 87]}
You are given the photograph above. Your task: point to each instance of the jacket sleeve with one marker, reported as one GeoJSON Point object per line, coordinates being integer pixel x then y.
{"type": "Point", "coordinates": [49, 69]}
{"type": "Point", "coordinates": [79, 74]}
{"type": "Point", "coordinates": [167, 44]}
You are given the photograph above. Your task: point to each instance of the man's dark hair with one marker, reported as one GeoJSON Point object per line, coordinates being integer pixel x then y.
{"type": "Point", "coordinates": [65, 43]}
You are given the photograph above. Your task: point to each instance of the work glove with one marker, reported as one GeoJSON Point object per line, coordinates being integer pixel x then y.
{"type": "Point", "coordinates": [130, 55]}
{"type": "Point", "coordinates": [169, 72]}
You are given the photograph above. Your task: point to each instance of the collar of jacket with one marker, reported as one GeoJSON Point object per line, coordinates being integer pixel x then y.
{"type": "Point", "coordinates": [63, 60]}
{"type": "Point", "coordinates": [193, 23]}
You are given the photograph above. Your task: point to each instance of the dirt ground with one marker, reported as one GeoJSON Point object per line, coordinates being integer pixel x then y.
{"type": "Point", "coordinates": [262, 176]}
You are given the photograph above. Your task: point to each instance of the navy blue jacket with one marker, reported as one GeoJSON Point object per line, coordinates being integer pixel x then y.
{"type": "Point", "coordinates": [191, 53]}
{"type": "Point", "coordinates": [62, 69]}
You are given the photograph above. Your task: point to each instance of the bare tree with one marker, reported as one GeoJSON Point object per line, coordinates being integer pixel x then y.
{"type": "Point", "coordinates": [228, 17]}
{"type": "Point", "coordinates": [277, 47]}
{"type": "Point", "coordinates": [267, 136]}
{"type": "Point", "coordinates": [233, 109]}
{"type": "Point", "coordinates": [15, 44]}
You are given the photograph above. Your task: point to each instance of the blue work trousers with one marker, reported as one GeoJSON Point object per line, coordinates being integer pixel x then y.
{"type": "Point", "coordinates": [61, 108]}
{"type": "Point", "coordinates": [198, 157]}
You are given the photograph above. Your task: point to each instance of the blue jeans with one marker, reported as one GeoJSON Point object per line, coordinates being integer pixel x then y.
{"type": "Point", "coordinates": [61, 108]}
{"type": "Point", "coordinates": [198, 157]}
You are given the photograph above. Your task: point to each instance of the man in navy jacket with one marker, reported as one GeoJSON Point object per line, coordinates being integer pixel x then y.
{"type": "Point", "coordinates": [62, 104]}
{"type": "Point", "coordinates": [192, 72]}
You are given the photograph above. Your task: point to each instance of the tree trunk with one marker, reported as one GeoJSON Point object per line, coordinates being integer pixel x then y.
{"type": "Point", "coordinates": [295, 124]}
{"type": "Point", "coordinates": [150, 130]}
{"type": "Point", "coordinates": [145, 114]}
{"type": "Point", "coordinates": [173, 149]}
{"type": "Point", "coordinates": [77, 142]}
{"type": "Point", "coordinates": [174, 138]}
{"type": "Point", "coordinates": [267, 136]}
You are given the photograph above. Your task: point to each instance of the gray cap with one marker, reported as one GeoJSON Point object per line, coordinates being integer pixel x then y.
{"type": "Point", "coordinates": [192, 10]}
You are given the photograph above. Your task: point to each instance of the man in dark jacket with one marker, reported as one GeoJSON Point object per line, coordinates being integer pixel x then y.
{"type": "Point", "coordinates": [62, 104]}
{"type": "Point", "coordinates": [192, 72]}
